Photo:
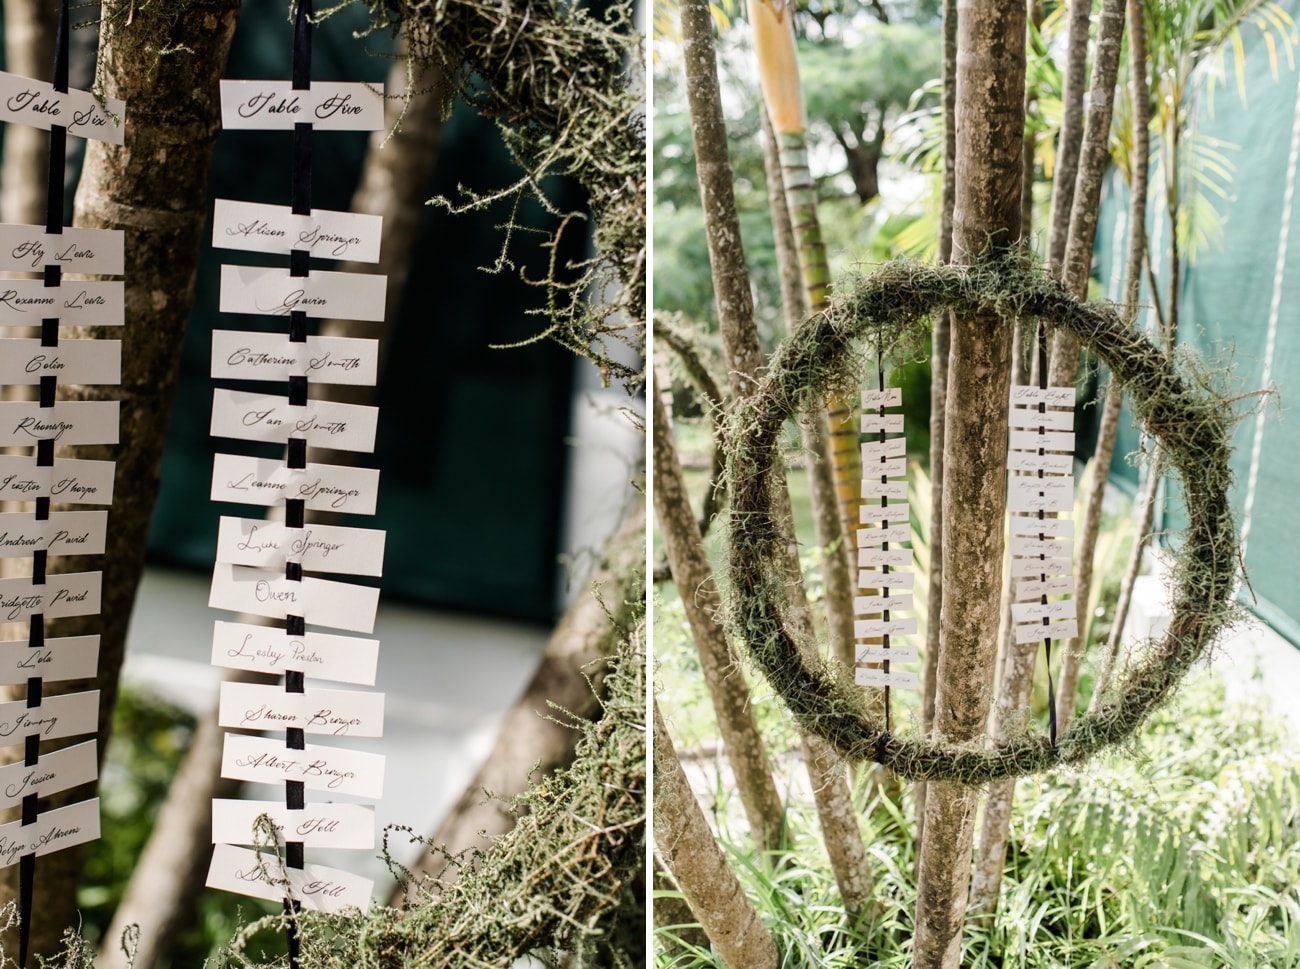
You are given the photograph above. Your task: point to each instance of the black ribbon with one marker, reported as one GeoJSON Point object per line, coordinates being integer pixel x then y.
{"type": "Point", "coordinates": [884, 503]}
{"type": "Point", "coordinates": [1042, 536]}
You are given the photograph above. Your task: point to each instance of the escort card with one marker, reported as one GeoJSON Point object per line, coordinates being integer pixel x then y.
{"type": "Point", "coordinates": [876, 653]}
{"type": "Point", "coordinates": [24, 422]}
{"type": "Point", "coordinates": [63, 533]}
{"type": "Point", "coordinates": [889, 397]}
{"type": "Point", "coordinates": [876, 423]}
{"type": "Point", "coordinates": [70, 480]}
{"type": "Point", "coordinates": [36, 103]}
{"type": "Point", "coordinates": [895, 512]}
{"type": "Point", "coordinates": [1060, 585]}
{"type": "Point", "coordinates": [1039, 567]}
{"type": "Point", "coordinates": [874, 451]}
{"type": "Point", "coordinates": [319, 601]}
{"type": "Point", "coordinates": [54, 830]}
{"type": "Point", "coordinates": [63, 658]}
{"type": "Point", "coordinates": [1048, 441]}
{"type": "Point", "coordinates": [889, 533]}
{"type": "Point", "coordinates": [262, 481]}
{"type": "Point", "coordinates": [56, 771]}
{"type": "Point", "coordinates": [66, 715]}
{"type": "Point", "coordinates": [1033, 461]}
{"type": "Point", "coordinates": [326, 106]}
{"type": "Point", "coordinates": [1053, 420]}
{"type": "Point", "coordinates": [1033, 525]}
{"type": "Point", "coordinates": [72, 361]}
{"type": "Point", "coordinates": [253, 227]}
{"type": "Point", "coordinates": [1051, 396]}
{"type": "Point", "coordinates": [338, 713]}
{"type": "Point", "coordinates": [265, 760]}
{"type": "Point", "coordinates": [65, 594]}
{"type": "Point", "coordinates": [867, 628]}
{"type": "Point", "coordinates": [242, 355]}
{"type": "Point", "coordinates": [25, 302]}
{"type": "Point", "coordinates": [265, 649]}
{"type": "Point", "coordinates": [888, 468]}
{"type": "Point", "coordinates": [29, 248]}
{"type": "Point", "coordinates": [1040, 494]}
{"type": "Point", "coordinates": [320, 825]}
{"type": "Point", "coordinates": [1037, 632]}
{"type": "Point", "coordinates": [323, 295]}
{"type": "Point", "coordinates": [898, 679]}
{"type": "Point", "coordinates": [873, 487]}
{"type": "Point", "coordinates": [262, 417]}
{"type": "Point", "coordinates": [866, 605]}
{"type": "Point", "coordinates": [894, 581]}
{"type": "Point", "coordinates": [320, 548]}
{"type": "Point", "coordinates": [315, 887]}
{"type": "Point", "coordinates": [877, 557]}
{"type": "Point", "coordinates": [1052, 548]}
{"type": "Point", "coordinates": [1037, 611]}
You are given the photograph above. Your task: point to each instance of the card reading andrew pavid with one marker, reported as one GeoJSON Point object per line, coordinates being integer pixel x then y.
{"type": "Point", "coordinates": [247, 355]}
{"type": "Point", "coordinates": [326, 106]}
{"type": "Point", "coordinates": [318, 825]}
{"type": "Point", "coordinates": [255, 227]}
{"type": "Point", "coordinates": [71, 362]}
{"type": "Point", "coordinates": [323, 295]}
{"type": "Point", "coordinates": [320, 602]}
{"type": "Point", "coordinates": [36, 103]}
{"type": "Point", "coordinates": [53, 831]}
{"type": "Point", "coordinates": [25, 422]}
{"type": "Point", "coordinates": [266, 417]}
{"type": "Point", "coordinates": [335, 713]}
{"type": "Point", "coordinates": [315, 887]}
{"type": "Point", "coordinates": [70, 480]}
{"type": "Point", "coordinates": [265, 649]}
{"type": "Point", "coordinates": [63, 533]}
{"type": "Point", "coordinates": [25, 302]}
{"type": "Point", "coordinates": [56, 771]}
{"type": "Point", "coordinates": [265, 481]}
{"type": "Point", "coordinates": [29, 248]}
{"type": "Point", "coordinates": [65, 715]}
{"type": "Point", "coordinates": [338, 770]}
{"type": "Point", "coordinates": [64, 594]}
{"type": "Point", "coordinates": [61, 658]}
{"type": "Point", "coordinates": [320, 548]}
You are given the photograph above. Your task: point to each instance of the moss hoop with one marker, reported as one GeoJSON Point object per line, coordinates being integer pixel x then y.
{"type": "Point", "coordinates": [891, 307]}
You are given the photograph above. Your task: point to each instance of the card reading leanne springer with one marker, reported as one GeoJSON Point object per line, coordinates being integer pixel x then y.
{"type": "Point", "coordinates": [265, 481]}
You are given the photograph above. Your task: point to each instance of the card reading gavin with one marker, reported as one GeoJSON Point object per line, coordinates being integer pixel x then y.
{"type": "Point", "coordinates": [326, 106]}
{"type": "Point", "coordinates": [322, 295]}
{"type": "Point", "coordinates": [72, 361]}
{"type": "Point", "coordinates": [336, 713]}
{"type": "Point", "coordinates": [263, 417]}
{"type": "Point", "coordinates": [245, 355]}
{"type": "Point", "coordinates": [36, 103]}
{"type": "Point", "coordinates": [263, 481]}
{"type": "Point", "coordinates": [63, 658]}
{"type": "Point", "coordinates": [25, 422]}
{"type": "Point", "coordinates": [56, 771]}
{"type": "Point", "coordinates": [315, 887]}
{"type": "Point", "coordinates": [53, 831]}
{"type": "Point", "coordinates": [320, 548]}
{"type": "Point", "coordinates": [254, 227]}
{"type": "Point", "coordinates": [65, 594]}
{"type": "Point", "coordinates": [63, 533]}
{"type": "Point", "coordinates": [876, 653]}
{"type": "Point", "coordinates": [265, 649]}
{"type": "Point", "coordinates": [25, 302]}
{"type": "Point", "coordinates": [29, 248]}
{"type": "Point", "coordinates": [319, 601]}
{"type": "Point", "coordinates": [320, 825]}
{"type": "Point", "coordinates": [66, 715]}
{"type": "Point", "coordinates": [266, 760]}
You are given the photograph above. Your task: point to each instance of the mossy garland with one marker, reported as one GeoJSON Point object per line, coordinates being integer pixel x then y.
{"type": "Point", "coordinates": [891, 309]}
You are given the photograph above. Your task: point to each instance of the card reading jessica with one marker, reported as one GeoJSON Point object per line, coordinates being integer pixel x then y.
{"type": "Point", "coordinates": [318, 825]}
{"type": "Point", "coordinates": [322, 295]}
{"type": "Point", "coordinates": [70, 480]}
{"type": "Point", "coordinates": [336, 713]}
{"type": "Point", "coordinates": [335, 769]}
{"type": "Point", "coordinates": [263, 481]}
{"type": "Point", "coordinates": [265, 649]}
{"type": "Point", "coordinates": [25, 302]}
{"type": "Point", "coordinates": [62, 658]}
{"type": "Point", "coordinates": [320, 548]}
{"type": "Point", "coordinates": [65, 594]}
{"type": "Point", "coordinates": [315, 887]}
{"type": "Point", "coordinates": [57, 771]}
{"type": "Point", "coordinates": [243, 355]}
{"type": "Point", "coordinates": [264, 417]}
{"type": "Point", "coordinates": [326, 106]}
{"type": "Point", "coordinates": [320, 602]}
{"type": "Point", "coordinates": [66, 715]}
{"type": "Point", "coordinates": [253, 227]}
{"type": "Point", "coordinates": [54, 830]}
{"type": "Point", "coordinates": [72, 361]}
{"type": "Point", "coordinates": [25, 422]}
{"type": "Point", "coordinates": [36, 103]}
{"type": "Point", "coordinates": [29, 248]}
{"type": "Point", "coordinates": [63, 533]}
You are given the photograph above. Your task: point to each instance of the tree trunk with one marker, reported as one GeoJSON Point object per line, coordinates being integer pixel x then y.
{"type": "Point", "coordinates": [1070, 137]}
{"type": "Point", "coordinates": [986, 219]}
{"type": "Point", "coordinates": [698, 588]}
{"type": "Point", "coordinates": [29, 52]}
{"type": "Point", "coordinates": [699, 867]}
{"type": "Point", "coordinates": [163, 209]}
{"type": "Point", "coordinates": [673, 914]}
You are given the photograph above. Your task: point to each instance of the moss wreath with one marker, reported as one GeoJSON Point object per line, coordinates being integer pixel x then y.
{"type": "Point", "coordinates": [890, 309]}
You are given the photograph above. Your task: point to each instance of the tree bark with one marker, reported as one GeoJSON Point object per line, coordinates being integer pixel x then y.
{"type": "Point", "coordinates": [173, 114]}
{"type": "Point", "coordinates": [698, 588]}
{"type": "Point", "coordinates": [671, 913]}
{"type": "Point", "coordinates": [986, 219]}
{"type": "Point", "coordinates": [1070, 137]}
{"type": "Point", "coordinates": [699, 867]}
